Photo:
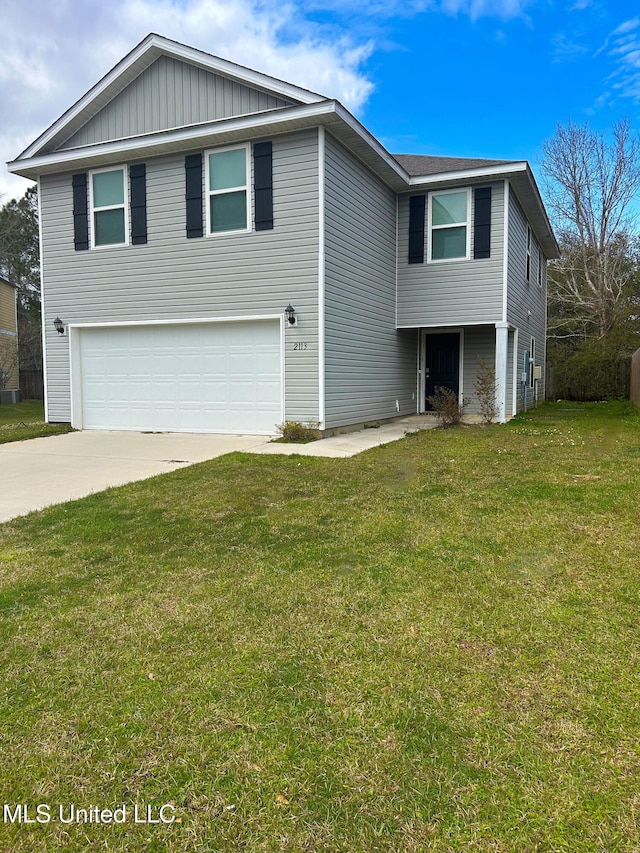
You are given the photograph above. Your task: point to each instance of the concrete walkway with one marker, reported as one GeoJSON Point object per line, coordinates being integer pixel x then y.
{"type": "Point", "coordinates": [41, 472]}
{"type": "Point", "coordinates": [352, 443]}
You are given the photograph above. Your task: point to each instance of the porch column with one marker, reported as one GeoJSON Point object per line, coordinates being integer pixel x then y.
{"type": "Point", "coordinates": [502, 351]}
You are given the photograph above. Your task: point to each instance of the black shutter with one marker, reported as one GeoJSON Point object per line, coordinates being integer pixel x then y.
{"type": "Point", "coordinates": [193, 180]}
{"type": "Point", "coordinates": [417, 205]}
{"type": "Point", "coordinates": [482, 223]}
{"type": "Point", "coordinates": [263, 185]}
{"type": "Point", "coordinates": [138, 183]}
{"type": "Point", "coordinates": [80, 218]}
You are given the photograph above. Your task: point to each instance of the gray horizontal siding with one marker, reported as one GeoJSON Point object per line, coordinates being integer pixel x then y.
{"type": "Point", "coordinates": [368, 363]}
{"type": "Point", "coordinates": [170, 277]}
{"type": "Point", "coordinates": [171, 94]}
{"type": "Point", "coordinates": [456, 292]}
{"type": "Point", "coordinates": [526, 300]}
{"type": "Point", "coordinates": [479, 344]}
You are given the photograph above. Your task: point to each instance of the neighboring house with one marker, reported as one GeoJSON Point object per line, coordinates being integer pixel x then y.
{"type": "Point", "coordinates": [187, 201]}
{"type": "Point", "coordinates": [8, 336]}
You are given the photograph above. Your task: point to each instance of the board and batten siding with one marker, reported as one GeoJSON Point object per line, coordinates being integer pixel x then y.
{"type": "Point", "coordinates": [175, 278]}
{"type": "Point", "coordinates": [453, 292]}
{"type": "Point", "coordinates": [526, 300]}
{"type": "Point", "coordinates": [171, 94]}
{"type": "Point", "coordinates": [368, 363]}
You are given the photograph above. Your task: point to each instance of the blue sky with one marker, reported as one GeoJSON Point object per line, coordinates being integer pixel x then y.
{"type": "Point", "coordinates": [494, 86]}
{"type": "Point", "coordinates": [475, 78]}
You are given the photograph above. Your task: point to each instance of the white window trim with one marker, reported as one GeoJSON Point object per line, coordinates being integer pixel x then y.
{"type": "Point", "coordinates": [430, 227]}
{"type": "Point", "coordinates": [125, 205]}
{"type": "Point", "coordinates": [246, 187]}
{"type": "Point", "coordinates": [527, 268]}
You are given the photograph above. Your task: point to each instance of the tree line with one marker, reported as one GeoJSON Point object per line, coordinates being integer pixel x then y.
{"type": "Point", "coordinates": [20, 264]}
{"type": "Point", "coordinates": [592, 183]}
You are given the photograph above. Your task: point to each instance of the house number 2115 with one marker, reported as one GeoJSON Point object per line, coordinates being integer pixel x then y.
{"type": "Point", "coordinates": [300, 346]}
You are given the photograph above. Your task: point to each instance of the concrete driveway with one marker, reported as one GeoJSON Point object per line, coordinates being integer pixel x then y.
{"type": "Point", "coordinates": [45, 471]}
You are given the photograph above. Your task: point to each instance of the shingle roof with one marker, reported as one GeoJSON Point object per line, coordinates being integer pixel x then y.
{"type": "Point", "coordinates": [422, 164]}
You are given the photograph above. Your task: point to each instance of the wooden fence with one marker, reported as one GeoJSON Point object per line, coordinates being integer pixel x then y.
{"type": "Point", "coordinates": [634, 393]}
{"type": "Point", "coordinates": [32, 384]}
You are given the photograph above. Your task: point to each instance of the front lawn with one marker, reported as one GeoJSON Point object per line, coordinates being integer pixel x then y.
{"type": "Point", "coordinates": [429, 647]}
{"type": "Point", "coordinates": [19, 421]}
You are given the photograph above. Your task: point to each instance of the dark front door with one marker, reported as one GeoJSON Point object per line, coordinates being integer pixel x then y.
{"type": "Point", "coordinates": [442, 364]}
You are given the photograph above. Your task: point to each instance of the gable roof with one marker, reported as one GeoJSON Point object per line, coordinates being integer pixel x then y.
{"type": "Point", "coordinates": [423, 164]}
{"type": "Point", "coordinates": [148, 51]}
{"type": "Point", "coordinates": [426, 172]}
{"type": "Point", "coordinates": [297, 109]}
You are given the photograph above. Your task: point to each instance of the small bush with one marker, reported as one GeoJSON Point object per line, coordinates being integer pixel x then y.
{"type": "Point", "coordinates": [295, 432]}
{"type": "Point", "coordinates": [446, 408]}
{"type": "Point", "coordinates": [485, 388]}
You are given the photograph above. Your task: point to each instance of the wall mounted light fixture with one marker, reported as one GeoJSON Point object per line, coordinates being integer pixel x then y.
{"type": "Point", "coordinates": [291, 314]}
{"type": "Point", "coordinates": [59, 325]}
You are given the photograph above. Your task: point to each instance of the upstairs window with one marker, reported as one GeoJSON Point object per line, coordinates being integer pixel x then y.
{"type": "Point", "coordinates": [449, 226]}
{"type": "Point", "coordinates": [227, 173]}
{"type": "Point", "coordinates": [528, 253]}
{"type": "Point", "coordinates": [108, 204]}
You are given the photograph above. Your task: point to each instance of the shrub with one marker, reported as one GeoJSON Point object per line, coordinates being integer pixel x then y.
{"type": "Point", "coordinates": [485, 388]}
{"type": "Point", "coordinates": [446, 408]}
{"type": "Point", "coordinates": [598, 370]}
{"type": "Point", "coordinates": [295, 432]}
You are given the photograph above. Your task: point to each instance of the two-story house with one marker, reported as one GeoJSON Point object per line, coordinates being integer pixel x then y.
{"type": "Point", "coordinates": [187, 202]}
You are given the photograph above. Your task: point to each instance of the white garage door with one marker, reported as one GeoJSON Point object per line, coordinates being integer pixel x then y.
{"type": "Point", "coordinates": [200, 377]}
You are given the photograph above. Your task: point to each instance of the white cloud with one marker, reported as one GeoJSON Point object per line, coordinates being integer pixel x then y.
{"type": "Point", "coordinates": [564, 49]}
{"type": "Point", "coordinates": [623, 46]}
{"type": "Point", "coordinates": [504, 9]}
{"type": "Point", "coordinates": [53, 52]}
{"type": "Point", "coordinates": [386, 9]}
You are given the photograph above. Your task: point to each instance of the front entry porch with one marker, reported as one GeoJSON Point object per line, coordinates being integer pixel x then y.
{"type": "Point", "coordinates": [451, 358]}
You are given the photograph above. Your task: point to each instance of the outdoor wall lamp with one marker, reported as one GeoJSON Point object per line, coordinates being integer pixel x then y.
{"type": "Point", "coordinates": [291, 314]}
{"type": "Point", "coordinates": [59, 325]}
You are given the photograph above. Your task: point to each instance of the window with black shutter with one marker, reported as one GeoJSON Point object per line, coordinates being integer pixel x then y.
{"type": "Point", "coordinates": [482, 223]}
{"type": "Point", "coordinates": [193, 181]}
{"type": "Point", "coordinates": [417, 204]}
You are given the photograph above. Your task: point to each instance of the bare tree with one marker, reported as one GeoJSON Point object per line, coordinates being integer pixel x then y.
{"type": "Point", "coordinates": [590, 185]}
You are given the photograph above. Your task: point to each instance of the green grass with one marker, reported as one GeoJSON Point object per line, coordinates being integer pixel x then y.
{"type": "Point", "coordinates": [20, 421]}
{"type": "Point", "coordinates": [429, 647]}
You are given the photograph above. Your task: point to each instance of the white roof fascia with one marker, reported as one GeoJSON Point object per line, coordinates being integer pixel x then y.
{"type": "Point", "coordinates": [468, 174]}
{"type": "Point", "coordinates": [158, 45]}
{"type": "Point", "coordinates": [517, 169]}
{"type": "Point", "coordinates": [371, 141]}
{"type": "Point", "coordinates": [135, 144]}
{"type": "Point", "coordinates": [68, 156]}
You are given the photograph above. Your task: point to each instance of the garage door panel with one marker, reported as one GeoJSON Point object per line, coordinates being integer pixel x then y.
{"type": "Point", "coordinates": [209, 377]}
